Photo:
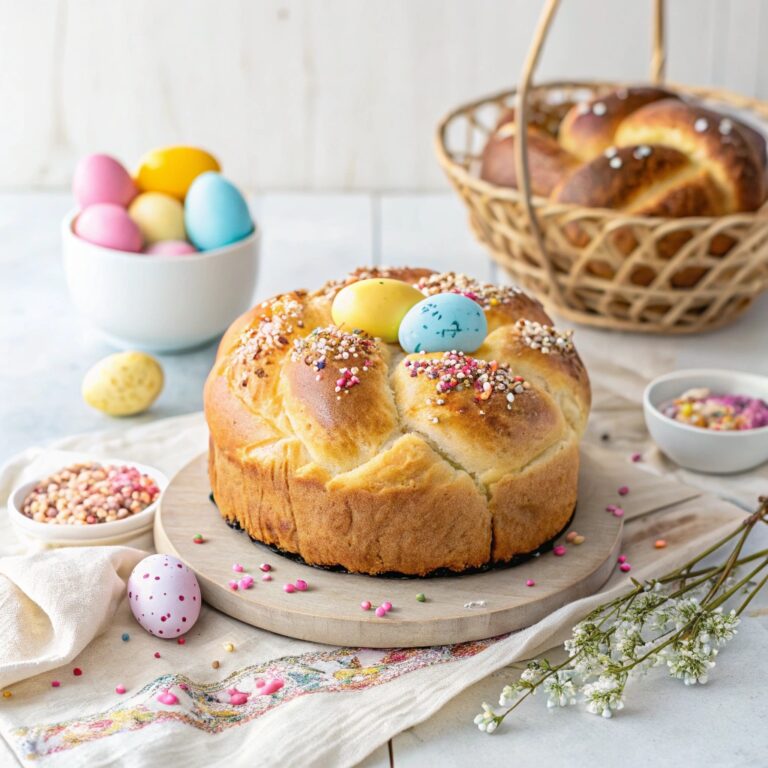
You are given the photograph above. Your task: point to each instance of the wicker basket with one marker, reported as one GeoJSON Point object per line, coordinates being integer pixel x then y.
{"type": "Point", "coordinates": [726, 258]}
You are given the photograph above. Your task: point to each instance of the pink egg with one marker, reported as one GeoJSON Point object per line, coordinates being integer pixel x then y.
{"type": "Point", "coordinates": [164, 596]}
{"type": "Point", "coordinates": [170, 248]}
{"type": "Point", "coordinates": [110, 226]}
{"type": "Point", "coordinates": [102, 179]}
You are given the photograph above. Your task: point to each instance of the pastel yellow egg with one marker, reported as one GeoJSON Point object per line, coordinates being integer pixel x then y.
{"type": "Point", "coordinates": [158, 217]}
{"type": "Point", "coordinates": [123, 384]}
{"type": "Point", "coordinates": [376, 306]}
{"type": "Point", "coordinates": [172, 169]}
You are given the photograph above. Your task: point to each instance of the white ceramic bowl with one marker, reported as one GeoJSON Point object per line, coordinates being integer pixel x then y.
{"type": "Point", "coordinates": [159, 303]}
{"type": "Point", "coordinates": [135, 530]}
{"type": "Point", "coordinates": [705, 450]}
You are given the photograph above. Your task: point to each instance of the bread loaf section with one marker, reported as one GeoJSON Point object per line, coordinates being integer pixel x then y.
{"type": "Point", "coordinates": [426, 462]}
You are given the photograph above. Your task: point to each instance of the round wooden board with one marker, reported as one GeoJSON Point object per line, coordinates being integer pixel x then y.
{"type": "Point", "coordinates": [329, 612]}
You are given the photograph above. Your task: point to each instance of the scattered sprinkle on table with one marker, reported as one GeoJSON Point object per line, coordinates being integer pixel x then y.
{"type": "Point", "coordinates": [215, 664]}
{"type": "Point", "coordinates": [237, 568]}
{"type": "Point", "coordinates": [380, 612]}
{"type": "Point", "coordinates": [198, 538]}
{"type": "Point", "coordinates": [660, 543]}
{"type": "Point", "coordinates": [7, 694]}
{"type": "Point", "coordinates": [120, 689]}
{"type": "Point", "coordinates": [387, 606]}
{"type": "Point", "coordinates": [605, 437]}
{"type": "Point", "coordinates": [625, 567]}
{"type": "Point", "coordinates": [289, 588]}
{"type": "Point", "coordinates": [55, 683]}
{"type": "Point", "coordinates": [559, 550]}
{"type": "Point", "coordinates": [366, 605]}
{"type": "Point", "coordinates": [421, 597]}
{"type": "Point", "coordinates": [265, 567]}
{"type": "Point", "coordinates": [232, 585]}
{"type": "Point", "coordinates": [157, 654]}
{"type": "Point", "coordinates": [77, 671]}
{"type": "Point", "coordinates": [530, 583]}
{"type": "Point", "coordinates": [267, 577]}
{"type": "Point", "coordinates": [301, 585]}
{"type": "Point", "coordinates": [624, 490]}
{"type": "Point", "coordinates": [229, 647]}
{"type": "Point", "coordinates": [125, 637]}
{"type": "Point", "coordinates": [636, 457]}
{"type": "Point", "coordinates": [246, 582]}
{"type": "Point", "coordinates": [617, 512]}
{"type": "Point", "coordinates": [621, 559]}
{"type": "Point", "coordinates": [181, 640]}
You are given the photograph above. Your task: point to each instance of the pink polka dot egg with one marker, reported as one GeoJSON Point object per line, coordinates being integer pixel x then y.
{"type": "Point", "coordinates": [164, 596]}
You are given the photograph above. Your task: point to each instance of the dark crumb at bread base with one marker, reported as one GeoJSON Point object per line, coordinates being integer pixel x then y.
{"type": "Point", "coordinates": [439, 572]}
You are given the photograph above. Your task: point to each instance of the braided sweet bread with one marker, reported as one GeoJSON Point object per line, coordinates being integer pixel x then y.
{"type": "Point", "coordinates": [343, 450]}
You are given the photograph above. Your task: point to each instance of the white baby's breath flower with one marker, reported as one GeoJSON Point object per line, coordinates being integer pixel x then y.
{"type": "Point", "coordinates": [487, 721]}
{"type": "Point", "coordinates": [560, 689]}
{"type": "Point", "coordinates": [605, 696]}
{"type": "Point", "coordinates": [689, 661]}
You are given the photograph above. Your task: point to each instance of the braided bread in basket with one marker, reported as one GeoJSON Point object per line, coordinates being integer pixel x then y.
{"type": "Point", "coordinates": [411, 464]}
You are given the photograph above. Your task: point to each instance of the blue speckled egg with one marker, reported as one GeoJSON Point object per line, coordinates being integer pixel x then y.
{"type": "Point", "coordinates": [443, 322]}
{"type": "Point", "coordinates": [215, 213]}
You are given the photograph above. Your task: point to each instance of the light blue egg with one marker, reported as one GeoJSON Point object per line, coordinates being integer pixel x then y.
{"type": "Point", "coordinates": [215, 213]}
{"type": "Point", "coordinates": [443, 322]}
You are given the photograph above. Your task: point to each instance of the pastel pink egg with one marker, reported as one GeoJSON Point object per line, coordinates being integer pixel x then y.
{"type": "Point", "coordinates": [102, 179]}
{"type": "Point", "coordinates": [164, 596]}
{"type": "Point", "coordinates": [170, 248]}
{"type": "Point", "coordinates": [109, 226]}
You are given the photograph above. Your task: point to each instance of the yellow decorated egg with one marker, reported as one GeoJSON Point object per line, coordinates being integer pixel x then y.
{"type": "Point", "coordinates": [376, 306]}
{"type": "Point", "coordinates": [172, 169]}
{"type": "Point", "coordinates": [158, 217]}
{"type": "Point", "coordinates": [123, 384]}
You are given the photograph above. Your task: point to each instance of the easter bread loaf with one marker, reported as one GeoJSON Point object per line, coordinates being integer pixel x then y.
{"type": "Point", "coordinates": [429, 462]}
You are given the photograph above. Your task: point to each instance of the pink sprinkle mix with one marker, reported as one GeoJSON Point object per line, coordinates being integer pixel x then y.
{"type": "Point", "coordinates": [246, 582]}
{"type": "Point", "coordinates": [267, 577]}
{"type": "Point", "coordinates": [237, 568]}
{"type": "Point", "coordinates": [624, 490]}
{"type": "Point", "coordinates": [180, 640]}
{"type": "Point", "coordinates": [530, 583]}
{"type": "Point", "coordinates": [380, 612]}
{"type": "Point", "coordinates": [559, 550]}
{"type": "Point", "coordinates": [183, 686]}
{"type": "Point", "coordinates": [55, 683]}
{"type": "Point", "coordinates": [233, 585]}
{"type": "Point", "coordinates": [636, 457]}
{"type": "Point", "coordinates": [622, 559]}
{"type": "Point", "coordinates": [301, 585]}
{"type": "Point", "coordinates": [618, 512]}
{"type": "Point", "coordinates": [387, 606]}
{"type": "Point", "coordinates": [289, 588]}
{"type": "Point", "coordinates": [611, 508]}
{"type": "Point", "coordinates": [265, 567]}
{"type": "Point", "coordinates": [120, 689]}
{"type": "Point", "coordinates": [157, 654]}
{"type": "Point", "coordinates": [366, 605]}
{"type": "Point", "coordinates": [625, 567]}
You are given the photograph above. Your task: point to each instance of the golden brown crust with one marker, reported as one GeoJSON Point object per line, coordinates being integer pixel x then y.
{"type": "Point", "coordinates": [589, 128]}
{"type": "Point", "coordinates": [339, 458]}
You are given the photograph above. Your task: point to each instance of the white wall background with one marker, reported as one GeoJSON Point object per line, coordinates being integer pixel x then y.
{"type": "Point", "coordinates": [316, 94]}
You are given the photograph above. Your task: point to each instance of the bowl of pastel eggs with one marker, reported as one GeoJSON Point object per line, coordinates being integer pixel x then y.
{"type": "Point", "coordinates": [162, 260]}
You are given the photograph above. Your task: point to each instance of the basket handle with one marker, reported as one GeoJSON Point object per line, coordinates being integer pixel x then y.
{"type": "Point", "coordinates": [658, 61]}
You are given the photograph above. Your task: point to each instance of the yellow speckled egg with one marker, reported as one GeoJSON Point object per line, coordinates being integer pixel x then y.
{"type": "Point", "coordinates": [376, 306]}
{"type": "Point", "coordinates": [123, 384]}
{"type": "Point", "coordinates": [173, 169]}
{"type": "Point", "coordinates": [158, 217]}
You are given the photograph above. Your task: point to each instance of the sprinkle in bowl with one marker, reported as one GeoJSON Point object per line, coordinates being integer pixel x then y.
{"type": "Point", "coordinates": [124, 527]}
{"type": "Point", "coordinates": [698, 448]}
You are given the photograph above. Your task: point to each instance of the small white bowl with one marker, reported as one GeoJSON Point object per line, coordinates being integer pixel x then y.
{"type": "Point", "coordinates": [131, 530]}
{"type": "Point", "coordinates": [159, 303]}
{"type": "Point", "coordinates": [706, 450]}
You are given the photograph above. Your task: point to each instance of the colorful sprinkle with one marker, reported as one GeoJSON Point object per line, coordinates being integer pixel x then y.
{"type": "Point", "coordinates": [229, 647]}
{"type": "Point", "coordinates": [485, 294]}
{"type": "Point", "coordinates": [237, 568]}
{"type": "Point", "coordinates": [77, 671]}
{"type": "Point", "coordinates": [215, 663]}
{"type": "Point", "coordinates": [198, 538]}
{"type": "Point", "coordinates": [624, 490]}
{"type": "Point", "coordinates": [660, 543]}
{"type": "Point", "coordinates": [267, 577]}
{"type": "Point", "coordinates": [579, 539]}
{"type": "Point", "coordinates": [611, 508]}
{"type": "Point", "coordinates": [381, 612]}
{"type": "Point", "coordinates": [55, 683]}
{"type": "Point", "coordinates": [7, 694]}
{"type": "Point", "coordinates": [636, 457]}
{"type": "Point", "coordinates": [366, 605]}
{"type": "Point", "coordinates": [559, 550]}
{"type": "Point", "coordinates": [233, 585]}
{"type": "Point", "coordinates": [181, 640]}
{"type": "Point", "coordinates": [387, 606]}
{"type": "Point", "coordinates": [289, 588]}
{"type": "Point", "coordinates": [301, 585]}
{"type": "Point", "coordinates": [125, 637]}
{"type": "Point", "coordinates": [120, 689]}
{"type": "Point", "coordinates": [265, 567]}
{"type": "Point", "coordinates": [570, 536]}
{"type": "Point", "coordinates": [545, 338]}
{"type": "Point", "coordinates": [421, 597]}
{"type": "Point", "coordinates": [621, 559]}
{"type": "Point", "coordinates": [530, 583]}
{"type": "Point", "coordinates": [246, 582]}
{"type": "Point", "coordinates": [625, 567]}
{"type": "Point", "coordinates": [618, 512]}
{"type": "Point", "coordinates": [157, 654]}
